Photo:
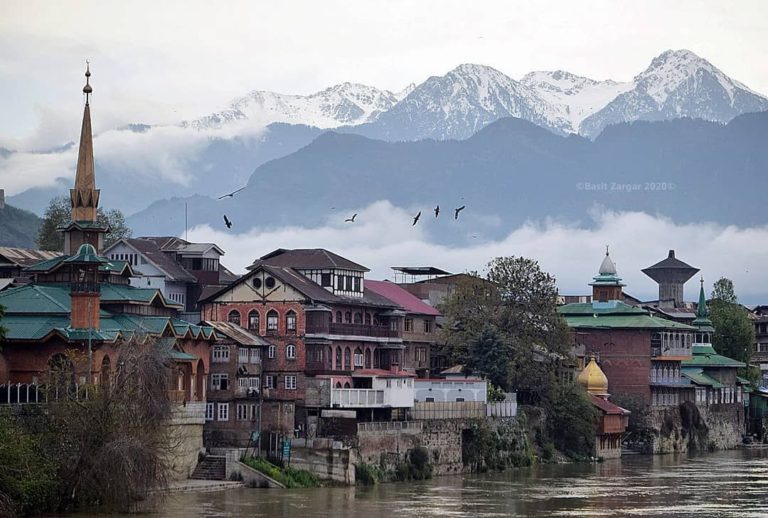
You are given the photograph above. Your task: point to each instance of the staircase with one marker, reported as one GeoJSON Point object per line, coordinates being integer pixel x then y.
{"type": "Point", "coordinates": [212, 467]}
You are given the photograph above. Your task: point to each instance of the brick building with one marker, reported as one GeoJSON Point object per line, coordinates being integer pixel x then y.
{"type": "Point", "coordinates": [320, 320]}
{"type": "Point", "coordinates": [641, 354]}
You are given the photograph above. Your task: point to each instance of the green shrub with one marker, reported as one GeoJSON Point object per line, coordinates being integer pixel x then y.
{"type": "Point", "coordinates": [289, 477]}
{"type": "Point", "coordinates": [415, 467]}
{"type": "Point", "coordinates": [367, 475]}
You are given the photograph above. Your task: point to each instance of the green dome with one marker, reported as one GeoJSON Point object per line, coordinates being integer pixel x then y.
{"type": "Point", "coordinates": [86, 254]}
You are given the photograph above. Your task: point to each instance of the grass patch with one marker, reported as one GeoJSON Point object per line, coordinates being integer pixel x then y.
{"type": "Point", "coordinates": [289, 477]}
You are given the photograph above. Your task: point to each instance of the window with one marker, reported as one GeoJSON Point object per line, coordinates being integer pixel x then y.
{"type": "Point", "coordinates": [219, 381]}
{"type": "Point", "coordinates": [242, 355]}
{"type": "Point", "coordinates": [367, 358]}
{"type": "Point", "coordinates": [257, 283]}
{"type": "Point", "coordinates": [234, 317]}
{"type": "Point", "coordinates": [430, 400]}
{"type": "Point", "coordinates": [242, 412]}
{"type": "Point", "coordinates": [223, 409]}
{"type": "Point", "coordinates": [290, 322]}
{"type": "Point", "coordinates": [338, 358]}
{"type": "Point", "coordinates": [269, 381]}
{"type": "Point", "coordinates": [338, 317]}
{"type": "Point", "coordinates": [209, 411]}
{"type": "Point", "coordinates": [272, 321]}
{"type": "Point", "coordinates": [248, 382]}
{"type": "Point", "coordinates": [358, 318]}
{"type": "Point", "coordinates": [325, 280]}
{"type": "Point", "coordinates": [408, 325]}
{"type": "Point", "coordinates": [290, 351]}
{"type": "Point", "coordinates": [356, 286]}
{"type": "Point", "coordinates": [290, 382]}
{"type": "Point", "coordinates": [358, 358]}
{"type": "Point", "coordinates": [269, 282]}
{"type": "Point", "coordinates": [348, 283]}
{"type": "Point", "coordinates": [253, 320]}
{"type": "Point", "coordinates": [348, 317]}
{"type": "Point", "coordinates": [459, 399]}
{"type": "Point", "coordinates": [220, 354]}
{"type": "Point", "coordinates": [367, 319]}
{"type": "Point", "coordinates": [427, 326]}
{"type": "Point", "coordinates": [253, 412]}
{"type": "Point", "coordinates": [255, 355]}
{"type": "Point", "coordinates": [271, 351]}
{"type": "Point", "coordinates": [420, 354]}
{"type": "Point", "coordinates": [347, 359]}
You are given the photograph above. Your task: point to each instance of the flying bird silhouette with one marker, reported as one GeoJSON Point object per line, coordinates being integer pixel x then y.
{"type": "Point", "coordinates": [227, 222]}
{"type": "Point", "coordinates": [352, 219]}
{"type": "Point", "coordinates": [231, 195]}
{"type": "Point", "coordinates": [437, 211]}
{"type": "Point", "coordinates": [416, 218]}
{"type": "Point", "coordinates": [456, 212]}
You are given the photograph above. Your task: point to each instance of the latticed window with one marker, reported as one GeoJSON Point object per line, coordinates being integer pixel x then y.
{"type": "Point", "coordinates": [253, 320]}
{"type": "Point", "coordinates": [234, 317]}
{"type": "Point", "coordinates": [272, 321]}
{"type": "Point", "coordinates": [290, 321]}
{"type": "Point", "coordinates": [290, 351]}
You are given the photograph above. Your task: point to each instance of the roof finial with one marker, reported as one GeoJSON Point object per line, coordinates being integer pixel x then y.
{"type": "Point", "coordinates": [606, 249]}
{"type": "Point", "coordinates": [87, 88]}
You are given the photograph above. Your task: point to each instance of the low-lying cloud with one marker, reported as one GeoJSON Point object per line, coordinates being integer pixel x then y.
{"type": "Point", "coordinates": [383, 236]}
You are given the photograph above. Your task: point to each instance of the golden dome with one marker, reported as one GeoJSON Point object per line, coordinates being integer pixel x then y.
{"type": "Point", "coordinates": [593, 379]}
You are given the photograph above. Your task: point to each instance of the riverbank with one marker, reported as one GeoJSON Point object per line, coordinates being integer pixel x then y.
{"type": "Point", "coordinates": [722, 484]}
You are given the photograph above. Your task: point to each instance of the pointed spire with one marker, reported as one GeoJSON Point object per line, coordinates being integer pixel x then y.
{"type": "Point", "coordinates": [702, 311]}
{"type": "Point", "coordinates": [85, 197]}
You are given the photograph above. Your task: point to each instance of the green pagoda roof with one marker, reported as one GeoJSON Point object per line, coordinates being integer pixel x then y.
{"type": "Point", "coordinates": [704, 355]}
{"type": "Point", "coordinates": [698, 377]}
{"type": "Point", "coordinates": [86, 254]}
{"type": "Point", "coordinates": [618, 316]}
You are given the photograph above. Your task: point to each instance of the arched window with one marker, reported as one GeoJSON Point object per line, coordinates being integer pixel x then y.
{"type": "Point", "coordinates": [234, 317]}
{"type": "Point", "coordinates": [290, 351]}
{"type": "Point", "coordinates": [348, 317]}
{"type": "Point", "coordinates": [358, 358]}
{"type": "Point", "coordinates": [347, 385]}
{"type": "Point", "coordinates": [253, 320]}
{"type": "Point", "coordinates": [290, 322]}
{"type": "Point", "coordinates": [338, 358]}
{"type": "Point", "coordinates": [347, 359]}
{"type": "Point", "coordinates": [358, 317]}
{"type": "Point", "coordinates": [367, 319]}
{"type": "Point", "coordinates": [271, 350]}
{"type": "Point", "coordinates": [367, 358]}
{"type": "Point", "coordinates": [338, 384]}
{"type": "Point", "coordinates": [272, 321]}
{"type": "Point", "coordinates": [338, 317]}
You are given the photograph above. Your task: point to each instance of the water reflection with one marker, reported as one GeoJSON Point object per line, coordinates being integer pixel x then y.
{"type": "Point", "coordinates": [722, 484]}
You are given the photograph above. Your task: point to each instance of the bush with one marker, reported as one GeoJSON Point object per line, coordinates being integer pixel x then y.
{"type": "Point", "coordinates": [367, 475]}
{"type": "Point", "coordinates": [571, 421]}
{"type": "Point", "coordinates": [289, 477]}
{"type": "Point", "coordinates": [416, 466]}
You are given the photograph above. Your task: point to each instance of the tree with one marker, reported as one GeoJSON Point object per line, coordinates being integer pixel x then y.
{"type": "Point", "coordinates": [571, 420]}
{"type": "Point", "coordinates": [734, 335]}
{"type": "Point", "coordinates": [2, 329]}
{"type": "Point", "coordinates": [515, 308]}
{"type": "Point", "coordinates": [59, 212]}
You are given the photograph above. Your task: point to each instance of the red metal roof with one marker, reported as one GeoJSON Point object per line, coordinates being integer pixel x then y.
{"type": "Point", "coordinates": [401, 297]}
{"type": "Point", "coordinates": [606, 406]}
{"type": "Point", "coordinates": [381, 373]}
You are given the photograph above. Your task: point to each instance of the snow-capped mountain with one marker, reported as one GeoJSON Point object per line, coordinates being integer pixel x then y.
{"type": "Point", "coordinates": [574, 97]}
{"type": "Point", "coordinates": [344, 104]}
{"type": "Point", "coordinates": [461, 102]}
{"type": "Point", "coordinates": [678, 83]}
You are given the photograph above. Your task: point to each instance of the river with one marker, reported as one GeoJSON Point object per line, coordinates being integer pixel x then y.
{"type": "Point", "coordinates": [723, 484]}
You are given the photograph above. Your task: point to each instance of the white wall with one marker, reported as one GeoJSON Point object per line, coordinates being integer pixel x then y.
{"type": "Point", "coordinates": [398, 392]}
{"type": "Point", "coordinates": [451, 390]}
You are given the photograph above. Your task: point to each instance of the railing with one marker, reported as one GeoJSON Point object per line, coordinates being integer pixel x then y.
{"type": "Point", "coordinates": [347, 398]}
{"type": "Point", "coordinates": [85, 287]}
{"type": "Point", "coordinates": [388, 426]}
{"type": "Point", "coordinates": [361, 330]}
{"type": "Point", "coordinates": [447, 410]}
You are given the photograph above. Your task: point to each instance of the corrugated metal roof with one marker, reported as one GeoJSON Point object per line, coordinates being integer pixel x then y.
{"type": "Point", "coordinates": [698, 377]}
{"type": "Point", "coordinates": [310, 258]}
{"type": "Point", "coordinates": [607, 407]}
{"type": "Point", "coordinates": [598, 321]}
{"type": "Point", "coordinates": [237, 333]}
{"type": "Point", "coordinates": [399, 296]}
{"type": "Point", "coordinates": [706, 356]}
{"type": "Point", "coordinates": [26, 256]}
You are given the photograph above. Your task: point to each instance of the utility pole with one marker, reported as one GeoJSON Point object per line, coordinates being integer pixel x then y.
{"type": "Point", "coordinates": [90, 349]}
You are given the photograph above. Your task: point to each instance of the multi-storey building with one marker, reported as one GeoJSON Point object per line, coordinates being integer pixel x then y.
{"type": "Point", "coordinates": [321, 321]}
{"type": "Point", "coordinates": [183, 271]}
{"type": "Point", "coordinates": [419, 326]}
{"type": "Point", "coordinates": [640, 354]}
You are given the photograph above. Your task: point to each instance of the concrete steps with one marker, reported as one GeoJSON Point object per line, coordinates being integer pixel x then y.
{"type": "Point", "coordinates": [212, 467]}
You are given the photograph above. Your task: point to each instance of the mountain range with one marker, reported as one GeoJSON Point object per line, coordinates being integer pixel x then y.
{"type": "Point", "coordinates": [507, 173]}
{"type": "Point", "coordinates": [230, 144]}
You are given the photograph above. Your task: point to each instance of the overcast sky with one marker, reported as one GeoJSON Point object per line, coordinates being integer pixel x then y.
{"type": "Point", "coordinates": [162, 62]}
{"type": "Point", "coordinates": [159, 62]}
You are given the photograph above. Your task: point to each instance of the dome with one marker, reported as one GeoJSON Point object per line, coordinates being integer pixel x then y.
{"type": "Point", "coordinates": [607, 267]}
{"type": "Point", "coordinates": [593, 379]}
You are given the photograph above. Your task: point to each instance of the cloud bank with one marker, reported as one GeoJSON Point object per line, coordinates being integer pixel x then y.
{"type": "Point", "coordinates": [382, 237]}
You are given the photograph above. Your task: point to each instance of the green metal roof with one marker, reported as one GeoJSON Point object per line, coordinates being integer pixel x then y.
{"type": "Point", "coordinates": [35, 299]}
{"type": "Point", "coordinates": [704, 355]}
{"type": "Point", "coordinates": [698, 377]}
{"type": "Point", "coordinates": [619, 308]}
{"type": "Point", "coordinates": [86, 254]}
{"type": "Point", "coordinates": [47, 265]}
{"type": "Point", "coordinates": [598, 321]}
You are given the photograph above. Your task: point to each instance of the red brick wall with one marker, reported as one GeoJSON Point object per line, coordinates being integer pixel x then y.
{"type": "Point", "coordinates": [80, 312]}
{"type": "Point", "coordinates": [625, 357]}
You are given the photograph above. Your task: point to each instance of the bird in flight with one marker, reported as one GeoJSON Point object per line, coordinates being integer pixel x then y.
{"type": "Point", "coordinates": [437, 211]}
{"type": "Point", "coordinates": [416, 218]}
{"type": "Point", "coordinates": [231, 195]}
{"type": "Point", "coordinates": [227, 222]}
{"type": "Point", "coordinates": [352, 219]}
{"type": "Point", "coordinates": [456, 212]}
